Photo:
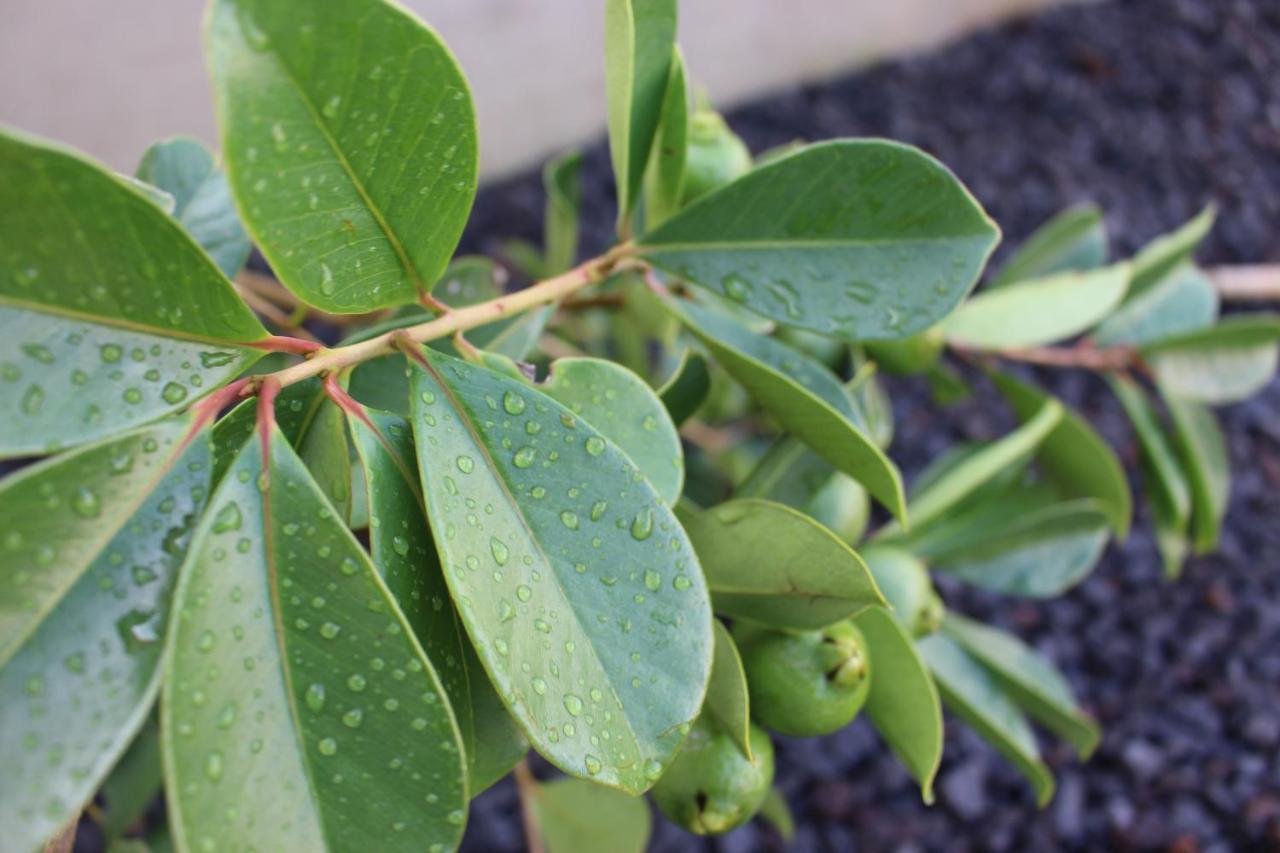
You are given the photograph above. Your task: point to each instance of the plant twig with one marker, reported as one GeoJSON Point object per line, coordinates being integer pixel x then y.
{"type": "Point", "coordinates": [1247, 283]}
{"type": "Point", "coordinates": [286, 322]}
{"type": "Point", "coordinates": [65, 839]}
{"type": "Point", "coordinates": [527, 787]}
{"type": "Point", "coordinates": [1084, 356]}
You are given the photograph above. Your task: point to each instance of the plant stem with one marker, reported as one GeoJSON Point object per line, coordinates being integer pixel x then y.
{"type": "Point", "coordinates": [527, 786]}
{"type": "Point", "coordinates": [1256, 283]}
{"type": "Point", "coordinates": [455, 320]}
{"type": "Point", "coordinates": [1083, 355]}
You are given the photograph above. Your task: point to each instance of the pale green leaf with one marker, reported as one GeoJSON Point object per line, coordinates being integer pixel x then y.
{"type": "Point", "coordinates": [854, 239]}
{"type": "Point", "coordinates": [1183, 301]}
{"type": "Point", "coordinates": [687, 388]}
{"type": "Point", "coordinates": [134, 784]}
{"type": "Point", "coordinates": [292, 676]}
{"type": "Point", "coordinates": [573, 578]}
{"type": "Point", "coordinates": [1220, 364]}
{"type": "Point", "coordinates": [92, 544]}
{"type": "Point", "coordinates": [1202, 449]}
{"type": "Point", "coordinates": [575, 816]}
{"type": "Point", "coordinates": [727, 698]}
{"type": "Point", "coordinates": [1168, 251]}
{"type": "Point", "coordinates": [775, 810]}
{"type": "Point", "coordinates": [350, 141]}
{"type": "Point", "coordinates": [110, 315]}
{"type": "Point", "coordinates": [664, 182]}
{"type": "Point", "coordinates": [1075, 239]}
{"type": "Point", "coordinates": [562, 181]}
{"type": "Point", "coordinates": [1037, 311]}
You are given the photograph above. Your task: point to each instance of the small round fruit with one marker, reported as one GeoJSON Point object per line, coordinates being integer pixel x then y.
{"type": "Point", "coordinates": [842, 506]}
{"type": "Point", "coordinates": [904, 582]}
{"type": "Point", "coordinates": [711, 787]}
{"type": "Point", "coordinates": [715, 156]}
{"type": "Point", "coordinates": [809, 683]}
{"type": "Point", "coordinates": [908, 356]}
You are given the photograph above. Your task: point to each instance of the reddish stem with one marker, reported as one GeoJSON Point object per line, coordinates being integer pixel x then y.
{"type": "Point", "coordinates": [345, 401]}
{"type": "Point", "coordinates": [283, 343]}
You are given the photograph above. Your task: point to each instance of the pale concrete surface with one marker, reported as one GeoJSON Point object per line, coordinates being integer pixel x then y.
{"type": "Point", "coordinates": [111, 76]}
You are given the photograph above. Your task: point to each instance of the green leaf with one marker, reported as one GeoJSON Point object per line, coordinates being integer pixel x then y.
{"type": "Point", "coordinates": [981, 466]}
{"type": "Point", "coordinates": [775, 810]}
{"type": "Point", "coordinates": [854, 239]}
{"type": "Point", "coordinates": [687, 388]}
{"type": "Point", "coordinates": [1038, 311]}
{"type": "Point", "coordinates": [134, 784]}
{"type": "Point", "coordinates": [805, 397]}
{"type": "Point", "coordinates": [903, 703]}
{"type": "Point", "coordinates": [572, 576]}
{"type": "Point", "coordinates": [770, 564]}
{"type": "Point", "coordinates": [581, 817]}
{"type": "Point", "coordinates": [664, 182]}
{"type": "Point", "coordinates": [1220, 364]}
{"type": "Point", "coordinates": [1167, 252]}
{"type": "Point", "coordinates": [1076, 458]}
{"type": "Point", "coordinates": [1202, 450]}
{"type": "Point", "coordinates": [1075, 239]}
{"type": "Point", "coordinates": [639, 43]}
{"type": "Point", "coordinates": [185, 169]}
{"type": "Point", "coordinates": [727, 698]}
{"type": "Point", "coordinates": [625, 410]}
{"type": "Point", "coordinates": [350, 141]}
{"type": "Point", "coordinates": [1167, 487]}
{"type": "Point", "coordinates": [973, 694]}
{"type": "Point", "coordinates": [1032, 682]}
{"type": "Point", "coordinates": [405, 556]}
{"type": "Point", "coordinates": [91, 548]}
{"type": "Point", "coordinates": [562, 180]}
{"type": "Point", "coordinates": [113, 315]}
{"type": "Point", "coordinates": [1183, 301]}
{"type": "Point", "coordinates": [292, 676]}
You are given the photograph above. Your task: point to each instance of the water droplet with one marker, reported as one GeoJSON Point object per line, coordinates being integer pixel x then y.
{"type": "Point", "coordinates": [39, 352]}
{"type": "Point", "coordinates": [457, 817]}
{"type": "Point", "coordinates": [132, 396]}
{"type": "Point", "coordinates": [213, 766]}
{"type": "Point", "coordinates": [85, 503]}
{"type": "Point", "coordinates": [652, 580]}
{"type": "Point", "coordinates": [33, 400]}
{"type": "Point", "coordinates": [174, 393]}
{"type": "Point", "coordinates": [652, 769]}
{"type": "Point", "coordinates": [327, 286]}
{"type": "Point", "coordinates": [570, 519]}
{"type": "Point", "coordinates": [75, 663]}
{"type": "Point", "coordinates": [206, 641]}
{"type": "Point", "coordinates": [328, 746]}
{"type": "Point", "coordinates": [400, 545]}
{"type": "Point", "coordinates": [642, 525]}
{"type": "Point", "coordinates": [357, 682]}
{"type": "Point", "coordinates": [539, 685]}
{"type": "Point", "coordinates": [524, 457]}
{"type": "Point", "coordinates": [227, 519]}
{"type": "Point", "coordinates": [353, 718]}
{"type": "Point", "coordinates": [500, 551]}
{"type": "Point", "coordinates": [682, 582]}
{"type": "Point", "coordinates": [595, 445]}
{"type": "Point", "coordinates": [110, 353]}
{"type": "Point", "coordinates": [513, 403]}
{"type": "Point", "coordinates": [227, 716]}
{"type": "Point", "coordinates": [466, 464]}
{"type": "Point", "coordinates": [505, 611]}
{"type": "Point", "coordinates": [524, 593]}
{"type": "Point", "coordinates": [593, 764]}
{"type": "Point", "coordinates": [736, 287]}
{"type": "Point", "coordinates": [329, 630]}
{"type": "Point", "coordinates": [315, 697]}
{"type": "Point", "coordinates": [330, 108]}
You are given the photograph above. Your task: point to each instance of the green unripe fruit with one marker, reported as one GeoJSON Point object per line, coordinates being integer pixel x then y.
{"type": "Point", "coordinates": [904, 582]}
{"type": "Point", "coordinates": [810, 683]}
{"type": "Point", "coordinates": [715, 156]}
{"type": "Point", "coordinates": [711, 787]}
{"type": "Point", "coordinates": [908, 356]}
{"type": "Point", "coordinates": [842, 506]}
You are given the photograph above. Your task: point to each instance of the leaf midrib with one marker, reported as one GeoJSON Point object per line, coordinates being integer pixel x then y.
{"type": "Point", "coordinates": [774, 243]}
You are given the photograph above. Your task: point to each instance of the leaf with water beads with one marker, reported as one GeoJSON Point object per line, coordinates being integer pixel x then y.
{"type": "Point", "coordinates": [578, 587]}
{"type": "Point", "coordinates": [88, 562]}
{"type": "Point", "coordinates": [299, 711]}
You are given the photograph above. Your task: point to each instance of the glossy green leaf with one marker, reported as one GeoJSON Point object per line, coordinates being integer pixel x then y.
{"type": "Point", "coordinates": [853, 239]}
{"type": "Point", "coordinates": [1220, 364]}
{"type": "Point", "coordinates": [980, 467]}
{"type": "Point", "coordinates": [1038, 311]}
{"type": "Point", "coordinates": [574, 816]}
{"type": "Point", "coordinates": [111, 315]}
{"type": "Point", "coordinates": [664, 182]}
{"type": "Point", "coordinates": [771, 564]}
{"type": "Point", "coordinates": [775, 810]}
{"type": "Point", "coordinates": [299, 712]}
{"type": "Point", "coordinates": [573, 578]}
{"type": "Point", "coordinates": [805, 397]}
{"type": "Point", "coordinates": [405, 555]}
{"type": "Point", "coordinates": [903, 702]}
{"type": "Point", "coordinates": [973, 694]}
{"type": "Point", "coordinates": [134, 784]}
{"type": "Point", "coordinates": [1165, 253]}
{"type": "Point", "coordinates": [90, 553]}
{"type": "Point", "coordinates": [1183, 301]}
{"type": "Point", "coordinates": [687, 388]}
{"type": "Point", "coordinates": [625, 410]}
{"type": "Point", "coordinates": [185, 169]}
{"type": "Point", "coordinates": [1166, 483]}
{"type": "Point", "coordinates": [562, 180]}
{"type": "Point", "coordinates": [639, 43]}
{"type": "Point", "coordinates": [1032, 682]}
{"type": "Point", "coordinates": [1202, 449]}
{"type": "Point", "coordinates": [350, 141]}
{"type": "Point", "coordinates": [1076, 458]}
{"type": "Point", "coordinates": [727, 698]}
{"type": "Point", "coordinates": [1075, 239]}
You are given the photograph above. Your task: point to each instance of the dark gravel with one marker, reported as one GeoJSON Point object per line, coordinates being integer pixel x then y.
{"type": "Point", "coordinates": [1151, 108]}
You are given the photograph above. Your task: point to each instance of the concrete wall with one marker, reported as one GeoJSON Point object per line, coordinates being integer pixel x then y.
{"type": "Point", "coordinates": [110, 76]}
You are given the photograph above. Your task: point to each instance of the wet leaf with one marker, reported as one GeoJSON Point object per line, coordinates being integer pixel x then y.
{"type": "Point", "coordinates": [562, 182]}
{"type": "Point", "coordinates": [903, 703]}
{"type": "Point", "coordinates": [573, 578]}
{"type": "Point", "coordinates": [770, 564]}
{"type": "Point", "coordinates": [185, 169]}
{"type": "Point", "coordinates": [973, 694]}
{"type": "Point", "coordinates": [1037, 311]}
{"type": "Point", "coordinates": [727, 698]}
{"type": "Point", "coordinates": [1202, 450]}
{"type": "Point", "coordinates": [350, 141]}
{"type": "Point", "coordinates": [664, 182]}
{"type": "Point", "coordinates": [854, 239]}
{"type": "Point", "coordinates": [621, 407]}
{"type": "Point", "coordinates": [1076, 458]}
{"type": "Point", "coordinates": [581, 817]}
{"type": "Point", "coordinates": [113, 316]}
{"type": "Point", "coordinates": [1167, 252]}
{"type": "Point", "coordinates": [1183, 301]}
{"type": "Point", "coordinates": [1075, 239]}
{"type": "Point", "coordinates": [805, 397]}
{"type": "Point", "coordinates": [639, 43]}
{"type": "Point", "coordinates": [298, 710]}
{"type": "Point", "coordinates": [1225, 363]}
{"type": "Point", "coordinates": [1032, 682]}
{"type": "Point", "coordinates": [134, 784]}
{"type": "Point", "coordinates": [88, 560]}
{"type": "Point", "coordinates": [405, 555]}
{"type": "Point", "coordinates": [687, 388]}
